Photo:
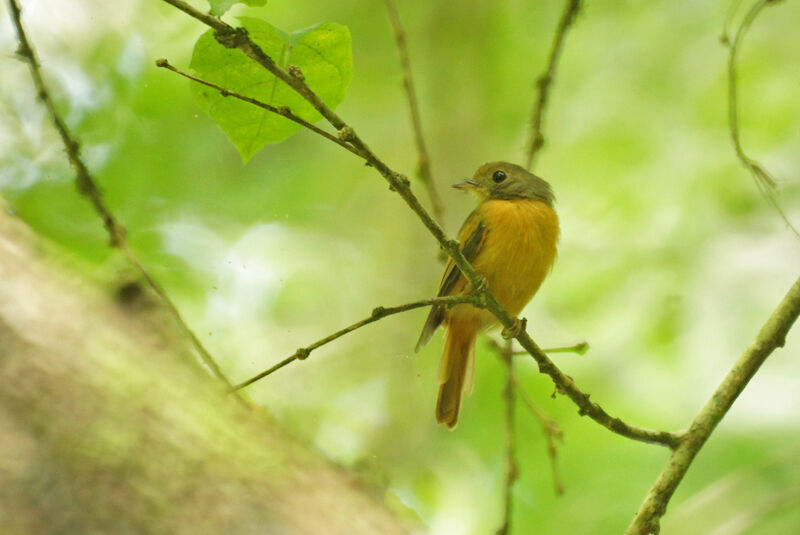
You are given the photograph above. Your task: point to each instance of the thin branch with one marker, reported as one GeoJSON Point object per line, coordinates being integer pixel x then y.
{"type": "Point", "coordinates": [206, 356]}
{"type": "Point", "coordinates": [771, 336]}
{"type": "Point", "coordinates": [552, 433]}
{"type": "Point", "coordinates": [550, 427]}
{"type": "Point", "coordinates": [765, 182]}
{"type": "Point", "coordinates": [283, 111]}
{"type": "Point", "coordinates": [512, 468]}
{"type": "Point", "coordinates": [579, 349]}
{"type": "Point", "coordinates": [377, 313]}
{"type": "Point", "coordinates": [424, 164]}
{"type": "Point", "coordinates": [566, 385]}
{"type": "Point", "coordinates": [88, 188]}
{"type": "Point", "coordinates": [238, 38]}
{"type": "Point", "coordinates": [571, 9]}
{"type": "Point", "coordinates": [83, 179]}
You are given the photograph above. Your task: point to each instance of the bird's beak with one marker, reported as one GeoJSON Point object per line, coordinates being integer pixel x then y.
{"type": "Point", "coordinates": [467, 184]}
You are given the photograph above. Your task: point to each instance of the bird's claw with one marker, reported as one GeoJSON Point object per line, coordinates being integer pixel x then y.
{"type": "Point", "coordinates": [513, 332]}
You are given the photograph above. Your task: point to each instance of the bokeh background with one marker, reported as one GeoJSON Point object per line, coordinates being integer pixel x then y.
{"type": "Point", "coordinates": [670, 261]}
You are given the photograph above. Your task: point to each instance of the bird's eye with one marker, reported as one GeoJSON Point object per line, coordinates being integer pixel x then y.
{"type": "Point", "coordinates": [499, 176]}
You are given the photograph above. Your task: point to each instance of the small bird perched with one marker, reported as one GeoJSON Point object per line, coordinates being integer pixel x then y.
{"type": "Point", "coordinates": [510, 239]}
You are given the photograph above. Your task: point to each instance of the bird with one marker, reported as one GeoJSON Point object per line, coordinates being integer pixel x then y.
{"type": "Point", "coordinates": [511, 241]}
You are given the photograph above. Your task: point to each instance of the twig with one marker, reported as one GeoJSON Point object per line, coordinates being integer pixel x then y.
{"type": "Point", "coordinates": [765, 183]}
{"type": "Point", "coordinates": [771, 336]}
{"type": "Point", "coordinates": [424, 164]}
{"type": "Point", "coordinates": [566, 385]}
{"type": "Point", "coordinates": [552, 433]}
{"type": "Point", "coordinates": [283, 111]}
{"type": "Point", "coordinates": [550, 427]}
{"type": "Point", "coordinates": [571, 9]}
{"type": "Point", "coordinates": [88, 188]}
{"type": "Point", "coordinates": [83, 179]}
{"type": "Point", "coordinates": [512, 468]}
{"type": "Point", "coordinates": [238, 38]}
{"type": "Point", "coordinates": [579, 349]}
{"type": "Point", "coordinates": [377, 313]}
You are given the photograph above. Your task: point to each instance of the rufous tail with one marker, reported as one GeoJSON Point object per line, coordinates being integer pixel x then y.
{"type": "Point", "coordinates": [458, 362]}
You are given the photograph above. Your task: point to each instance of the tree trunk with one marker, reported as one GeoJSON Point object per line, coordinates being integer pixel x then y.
{"type": "Point", "coordinates": [109, 424]}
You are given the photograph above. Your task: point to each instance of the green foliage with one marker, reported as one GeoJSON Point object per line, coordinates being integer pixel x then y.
{"type": "Point", "coordinates": [219, 7]}
{"type": "Point", "coordinates": [323, 52]}
{"type": "Point", "coordinates": [669, 260]}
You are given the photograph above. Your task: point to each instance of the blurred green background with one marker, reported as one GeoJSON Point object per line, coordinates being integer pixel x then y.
{"type": "Point", "coordinates": [669, 260]}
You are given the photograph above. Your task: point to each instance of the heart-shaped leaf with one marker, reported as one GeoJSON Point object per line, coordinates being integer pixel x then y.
{"type": "Point", "coordinates": [324, 54]}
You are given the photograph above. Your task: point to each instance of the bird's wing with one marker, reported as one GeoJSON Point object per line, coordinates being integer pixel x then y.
{"type": "Point", "coordinates": [472, 236]}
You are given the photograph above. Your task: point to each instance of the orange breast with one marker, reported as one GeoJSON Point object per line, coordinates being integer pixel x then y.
{"type": "Point", "coordinates": [517, 252]}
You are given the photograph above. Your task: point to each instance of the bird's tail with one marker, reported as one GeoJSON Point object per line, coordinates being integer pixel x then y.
{"type": "Point", "coordinates": [457, 370]}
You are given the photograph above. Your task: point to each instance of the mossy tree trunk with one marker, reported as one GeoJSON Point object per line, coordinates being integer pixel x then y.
{"type": "Point", "coordinates": [108, 424]}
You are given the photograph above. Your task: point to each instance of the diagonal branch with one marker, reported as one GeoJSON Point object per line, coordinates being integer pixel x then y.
{"type": "Point", "coordinates": [238, 38]}
{"type": "Point", "coordinates": [571, 9]}
{"type": "Point", "coordinates": [377, 313]}
{"type": "Point", "coordinates": [765, 182]}
{"type": "Point", "coordinates": [88, 188]}
{"type": "Point", "coordinates": [566, 385]}
{"type": "Point", "coordinates": [84, 182]}
{"type": "Point", "coordinates": [424, 164]}
{"type": "Point", "coordinates": [771, 336]}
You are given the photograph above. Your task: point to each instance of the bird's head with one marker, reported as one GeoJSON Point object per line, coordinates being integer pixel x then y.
{"type": "Point", "coordinates": [503, 180]}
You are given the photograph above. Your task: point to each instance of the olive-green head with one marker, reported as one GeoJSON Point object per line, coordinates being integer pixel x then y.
{"type": "Point", "coordinates": [503, 180]}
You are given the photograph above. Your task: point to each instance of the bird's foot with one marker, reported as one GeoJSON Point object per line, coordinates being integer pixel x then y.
{"type": "Point", "coordinates": [514, 330]}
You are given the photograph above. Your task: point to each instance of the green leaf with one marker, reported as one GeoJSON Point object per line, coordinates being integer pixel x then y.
{"type": "Point", "coordinates": [219, 7]}
{"type": "Point", "coordinates": [323, 52]}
